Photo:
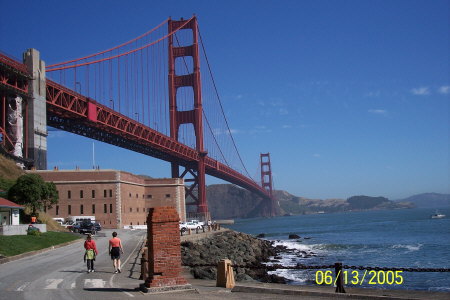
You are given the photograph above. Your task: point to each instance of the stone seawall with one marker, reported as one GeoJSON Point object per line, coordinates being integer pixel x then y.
{"type": "Point", "coordinates": [240, 248]}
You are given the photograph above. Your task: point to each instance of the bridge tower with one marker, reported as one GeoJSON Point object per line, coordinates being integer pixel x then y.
{"type": "Point", "coordinates": [36, 110]}
{"type": "Point", "coordinates": [266, 181]}
{"type": "Point", "coordinates": [194, 116]}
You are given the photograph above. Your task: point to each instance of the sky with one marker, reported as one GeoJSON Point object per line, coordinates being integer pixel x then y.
{"type": "Point", "coordinates": [348, 97]}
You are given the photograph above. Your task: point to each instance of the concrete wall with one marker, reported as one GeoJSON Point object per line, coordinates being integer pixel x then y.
{"type": "Point", "coordinates": [20, 229]}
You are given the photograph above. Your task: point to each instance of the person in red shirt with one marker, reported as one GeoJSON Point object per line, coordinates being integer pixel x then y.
{"type": "Point", "coordinates": [115, 248]}
{"type": "Point", "coordinates": [91, 253]}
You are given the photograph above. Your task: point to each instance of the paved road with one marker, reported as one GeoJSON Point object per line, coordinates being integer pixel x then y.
{"type": "Point", "coordinates": [61, 273]}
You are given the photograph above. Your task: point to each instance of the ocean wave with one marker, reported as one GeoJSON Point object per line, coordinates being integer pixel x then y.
{"type": "Point", "coordinates": [410, 248]}
{"type": "Point", "coordinates": [301, 249]}
{"type": "Point", "coordinates": [297, 277]}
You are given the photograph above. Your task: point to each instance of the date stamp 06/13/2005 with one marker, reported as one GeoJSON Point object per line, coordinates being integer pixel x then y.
{"type": "Point", "coordinates": [356, 277]}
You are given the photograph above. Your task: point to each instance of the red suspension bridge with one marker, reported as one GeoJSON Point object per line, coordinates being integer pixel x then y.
{"type": "Point", "coordinates": [147, 95]}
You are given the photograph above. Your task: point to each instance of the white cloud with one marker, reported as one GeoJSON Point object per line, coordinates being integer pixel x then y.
{"type": "Point", "coordinates": [378, 111]}
{"type": "Point", "coordinates": [286, 126]}
{"type": "Point", "coordinates": [421, 91]}
{"type": "Point", "coordinates": [260, 129]}
{"type": "Point", "coordinates": [372, 94]}
{"type": "Point", "coordinates": [218, 131]}
{"type": "Point", "coordinates": [283, 111]}
{"type": "Point", "coordinates": [445, 89]}
{"type": "Point", "coordinates": [233, 131]}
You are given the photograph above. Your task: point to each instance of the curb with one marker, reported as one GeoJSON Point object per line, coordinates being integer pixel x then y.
{"type": "Point", "coordinates": [31, 253]}
{"type": "Point", "coordinates": [263, 290]}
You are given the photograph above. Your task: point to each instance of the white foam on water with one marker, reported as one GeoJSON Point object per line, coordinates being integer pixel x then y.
{"type": "Point", "coordinates": [289, 275]}
{"type": "Point", "coordinates": [295, 245]}
{"type": "Point", "coordinates": [410, 248]}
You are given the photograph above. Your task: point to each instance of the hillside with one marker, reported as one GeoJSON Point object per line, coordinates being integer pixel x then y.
{"type": "Point", "coordinates": [429, 200]}
{"type": "Point", "coordinates": [230, 201]}
{"type": "Point", "coordinates": [9, 172]}
{"type": "Point", "coordinates": [8, 169]}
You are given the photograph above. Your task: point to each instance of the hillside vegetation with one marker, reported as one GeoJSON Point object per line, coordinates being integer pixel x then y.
{"type": "Point", "coordinates": [8, 169]}
{"type": "Point", "coordinates": [9, 173]}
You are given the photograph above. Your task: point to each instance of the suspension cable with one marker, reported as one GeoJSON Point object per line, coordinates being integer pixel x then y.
{"type": "Point", "coordinates": [108, 50]}
{"type": "Point", "coordinates": [119, 55]}
{"type": "Point", "coordinates": [221, 107]}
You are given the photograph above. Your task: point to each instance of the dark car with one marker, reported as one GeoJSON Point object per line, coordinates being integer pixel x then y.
{"type": "Point", "coordinates": [87, 227]}
{"type": "Point", "coordinates": [75, 227]}
{"type": "Point", "coordinates": [98, 227]}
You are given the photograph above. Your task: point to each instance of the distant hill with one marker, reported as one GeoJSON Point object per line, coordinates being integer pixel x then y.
{"type": "Point", "coordinates": [429, 200]}
{"type": "Point", "coordinates": [230, 201]}
{"type": "Point", "coordinates": [291, 204]}
{"type": "Point", "coordinates": [227, 201]}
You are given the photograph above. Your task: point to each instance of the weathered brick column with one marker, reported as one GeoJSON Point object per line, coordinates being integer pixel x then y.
{"type": "Point", "coordinates": [164, 251]}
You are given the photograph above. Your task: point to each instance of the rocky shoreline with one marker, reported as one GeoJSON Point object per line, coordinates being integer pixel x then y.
{"type": "Point", "coordinates": [246, 252]}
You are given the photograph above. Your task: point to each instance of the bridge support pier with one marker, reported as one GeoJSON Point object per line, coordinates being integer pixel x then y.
{"type": "Point", "coordinates": [36, 118]}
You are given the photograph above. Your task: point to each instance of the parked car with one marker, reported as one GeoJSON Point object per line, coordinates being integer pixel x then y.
{"type": "Point", "coordinates": [98, 227]}
{"type": "Point", "coordinates": [87, 227]}
{"type": "Point", "coordinates": [197, 222]}
{"type": "Point", "coordinates": [75, 227]}
{"type": "Point", "coordinates": [190, 225]}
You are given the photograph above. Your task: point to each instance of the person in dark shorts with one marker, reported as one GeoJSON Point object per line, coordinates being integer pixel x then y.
{"type": "Point", "coordinates": [115, 249]}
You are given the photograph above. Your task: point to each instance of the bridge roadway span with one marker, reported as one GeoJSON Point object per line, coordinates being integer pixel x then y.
{"type": "Point", "coordinates": [70, 111]}
{"type": "Point", "coordinates": [67, 110]}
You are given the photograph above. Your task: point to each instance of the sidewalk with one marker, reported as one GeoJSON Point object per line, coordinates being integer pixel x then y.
{"type": "Point", "coordinates": [206, 289]}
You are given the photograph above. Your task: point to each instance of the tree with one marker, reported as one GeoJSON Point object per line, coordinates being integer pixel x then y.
{"type": "Point", "coordinates": [32, 191]}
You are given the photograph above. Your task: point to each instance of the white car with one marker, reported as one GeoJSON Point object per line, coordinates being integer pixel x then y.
{"type": "Point", "coordinates": [198, 222]}
{"type": "Point", "coordinates": [190, 225]}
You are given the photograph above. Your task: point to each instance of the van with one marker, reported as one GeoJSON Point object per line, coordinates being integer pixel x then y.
{"type": "Point", "coordinates": [79, 219]}
{"type": "Point", "coordinates": [60, 221]}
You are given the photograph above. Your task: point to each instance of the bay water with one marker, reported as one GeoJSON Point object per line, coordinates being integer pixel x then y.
{"type": "Point", "coordinates": [407, 238]}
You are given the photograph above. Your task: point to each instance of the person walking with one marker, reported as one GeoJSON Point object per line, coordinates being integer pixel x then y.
{"type": "Point", "coordinates": [91, 253]}
{"type": "Point", "coordinates": [115, 249]}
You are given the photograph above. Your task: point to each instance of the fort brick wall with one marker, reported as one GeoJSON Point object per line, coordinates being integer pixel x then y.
{"type": "Point", "coordinates": [115, 198]}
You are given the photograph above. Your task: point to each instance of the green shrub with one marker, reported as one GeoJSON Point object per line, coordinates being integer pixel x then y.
{"type": "Point", "coordinates": [33, 231]}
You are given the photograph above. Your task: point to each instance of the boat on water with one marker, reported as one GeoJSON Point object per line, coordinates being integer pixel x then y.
{"type": "Point", "coordinates": [437, 215]}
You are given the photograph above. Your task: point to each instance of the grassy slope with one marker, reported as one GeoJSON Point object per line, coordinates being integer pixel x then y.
{"type": "Point", "coordinates": [8, 169]}
{"type": "Point", "coordinates": [17, 244]}
{"type": "Point", "coordinates": [9, 173]}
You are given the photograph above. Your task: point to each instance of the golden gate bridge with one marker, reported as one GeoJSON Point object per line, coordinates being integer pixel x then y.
{"type": "Point", "coordinates": [146, 95]}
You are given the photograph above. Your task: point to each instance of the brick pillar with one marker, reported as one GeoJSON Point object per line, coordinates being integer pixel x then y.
{"type": "Point", "coordinates": [164, 251]}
